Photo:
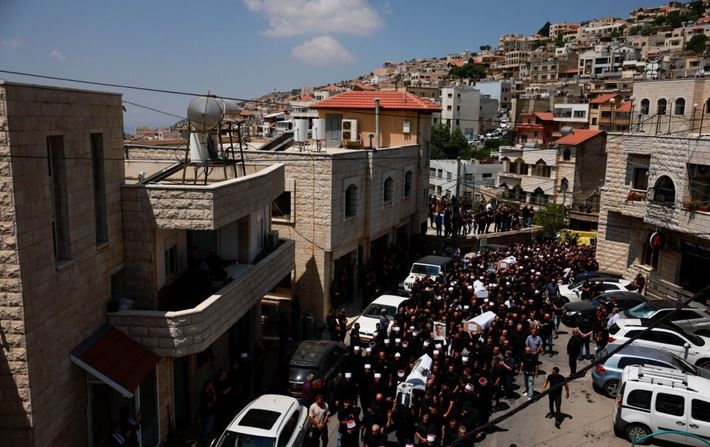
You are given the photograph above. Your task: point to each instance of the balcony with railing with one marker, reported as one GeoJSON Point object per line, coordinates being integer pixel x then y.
{"type": "Point", "coordinates": [192, 318]}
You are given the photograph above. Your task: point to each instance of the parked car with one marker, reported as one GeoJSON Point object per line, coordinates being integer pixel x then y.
{"type": "Point", "coordinates": [573, 292]}
{"type": "Point", "coordinates": [665, 336]}
{"type": "Point", "coordinates": [594, 274]}
{"type": "Point", "coordinates": [270, 420]}
{"type": "Point", "coordinates": [606, 374]}
{"type": "Point", "coordinates": [322, 358]}
{"type": "Point", "coordinates": [431, 265]}
{"type": "Point", "coordinates": [577, 310]}
{"type": "Point", "coordinates": [670, 404]}
{"type": "Point", "coordinates": [369, 317]}
{"type": "Point", "coordinates": [692, 317]}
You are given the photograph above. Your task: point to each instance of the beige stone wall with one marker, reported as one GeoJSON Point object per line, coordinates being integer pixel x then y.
{"type": "Point", "coordinates": [46, 310]}
{"type": "Point", "coordinates": [624, 226]}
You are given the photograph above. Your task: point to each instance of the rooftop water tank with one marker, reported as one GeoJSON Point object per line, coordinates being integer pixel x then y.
{"type": "Point", "coordinates": [205, 113]}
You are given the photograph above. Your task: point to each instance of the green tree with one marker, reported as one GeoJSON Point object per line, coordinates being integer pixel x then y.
{"type": "Point", "coordinates": [551, 218]}
{"type": "Point", "coordinates": [447, 144]}
{"type": "Point", "coordinates": [696, 44]}
{"type": "Point", "coordinates": [485, 48]}
{"type": "Point", "coordinates": [457, 144]}
{"type": "Point", "coordinates": [468, 70]}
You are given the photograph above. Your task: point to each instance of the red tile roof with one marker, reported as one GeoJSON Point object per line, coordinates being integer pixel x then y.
{"type": "Point", "coordinates": [601, 99]}
{"type": "Point", "coordinates": [545, 116]}
{"type": "Point", "coordinates": [389, 100]}
{"type": "Point", "coordinates": [115, 359]}
{"type": "Point", "coordinates": [578, 136]}
{"type": "Point", "coordinates": [624, 107]}
{"type": "Point", "coordinates": [365, 87]}
{"type": "Point", "coordinates": [570, 71]}
{"type": "Point", "coordinates": [456, 63]}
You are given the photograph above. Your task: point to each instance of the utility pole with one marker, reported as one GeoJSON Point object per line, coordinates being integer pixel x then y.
{"type": "Point", "coordinates": [458, 176]}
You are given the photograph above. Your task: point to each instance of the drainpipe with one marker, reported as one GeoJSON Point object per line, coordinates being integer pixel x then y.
{"type": "Point", "coordinates": [377, 123]}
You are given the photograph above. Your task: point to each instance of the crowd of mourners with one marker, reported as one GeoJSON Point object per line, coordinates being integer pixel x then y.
{"type": "Point", "coordinates": [472, 372]}
{"type": "Point", "coordinates": [450, 216]}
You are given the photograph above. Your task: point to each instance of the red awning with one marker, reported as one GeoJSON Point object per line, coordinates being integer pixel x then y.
{"type": "Point", "coordinates": [115, 359]}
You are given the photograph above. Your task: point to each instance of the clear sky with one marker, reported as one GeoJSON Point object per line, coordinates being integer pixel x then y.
{"type": "Point", "coordinates": [246, 48]}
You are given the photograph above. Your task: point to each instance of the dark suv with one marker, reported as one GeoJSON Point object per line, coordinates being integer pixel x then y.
{"type": "Point", "coordinates": [574, 311]}
{"type": "Point", "coordinates": [323, 358]}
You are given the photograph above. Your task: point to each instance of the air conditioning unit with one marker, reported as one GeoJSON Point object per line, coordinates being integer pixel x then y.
{"type": "Point", "coordinates": [349, 132]}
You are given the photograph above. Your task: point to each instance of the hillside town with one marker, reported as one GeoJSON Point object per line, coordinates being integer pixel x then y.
{"type": "Point", "coordinates": [178, 284]}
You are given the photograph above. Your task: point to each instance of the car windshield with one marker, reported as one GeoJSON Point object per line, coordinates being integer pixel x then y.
{"type": "Point", "coordinates": [643, 310]}
{"type": "Point", "coordinates": [422, 269]}
{"type": "Point", "coordinates": [598, 301]}
{"type": "Point", "coordinates": [232, 439]}
{"type": "Point", "coordinates": [684, 366]}
{"type": "Point", "coordinates": [375, 310]}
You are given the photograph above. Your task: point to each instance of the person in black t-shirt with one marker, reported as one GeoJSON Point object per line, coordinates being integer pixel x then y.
{"type": "Point", "coordinates": [556, 382]}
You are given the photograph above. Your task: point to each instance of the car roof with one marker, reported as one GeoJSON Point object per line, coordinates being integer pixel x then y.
{"type": "Point", "coordinates": [433, 259]}
{"type": "Point", "coordinates": [640, 351]}
{"type": "Point", "coordinates": [264, 415]}
{"type": "Point", "coordinates": [389, 300]}
{"type": "Point", "coordinates": [644, 323]}
{"type": "Point", "coordinates": [311, 352]}
{"type": "Point", "coordinates": [623, 293]}
{"type": "Point", "coordinates": [666, 304]}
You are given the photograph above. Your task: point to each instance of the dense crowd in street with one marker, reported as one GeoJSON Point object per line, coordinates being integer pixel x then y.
{"type": "Point", "coordinates": [472, 373]}
{"type": "Point", "coordinates": [462, 218]}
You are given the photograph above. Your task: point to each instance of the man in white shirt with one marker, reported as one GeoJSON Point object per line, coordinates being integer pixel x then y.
{"type": "Point", "coordinates": [613, 318]}
{"type": "Point", "coordinates": [318, 416]}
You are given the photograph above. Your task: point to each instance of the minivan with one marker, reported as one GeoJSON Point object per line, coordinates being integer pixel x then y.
{"type": "Point", "coordinates": [664, 403]}
{"type": "Point", "coordinates": [322, 358]}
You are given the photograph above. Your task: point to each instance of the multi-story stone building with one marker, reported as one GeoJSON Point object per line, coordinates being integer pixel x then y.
{"type": "Point", "coordinates": [655, 212]}
{"type": "Point", "coordinates": [352, 195]}
{"type": "Point", "coordinates": [460, 109]}
{"type": "Point", "coordinates": [105, 302]}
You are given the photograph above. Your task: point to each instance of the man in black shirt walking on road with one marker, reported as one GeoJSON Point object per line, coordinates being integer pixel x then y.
{"type": "Point", "coordinates": [554, 382]}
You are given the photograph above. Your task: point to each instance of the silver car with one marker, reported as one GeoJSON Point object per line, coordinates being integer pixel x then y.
{"type": "Point", "coordinates": [606, 375]}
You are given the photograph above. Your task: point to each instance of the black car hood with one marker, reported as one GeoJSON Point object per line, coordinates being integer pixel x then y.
{"type": "Point", "coordinates": [579, 306]}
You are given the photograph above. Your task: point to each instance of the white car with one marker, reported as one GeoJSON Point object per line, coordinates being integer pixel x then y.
{"type": "Point", "coordinates": [573, 292]}
{"type": "Point", "coordinates": [666, 336]}
{"type": "Point", "coordinates": [270, 420]}
{"type": "Point", "coordinates": [371, 315]}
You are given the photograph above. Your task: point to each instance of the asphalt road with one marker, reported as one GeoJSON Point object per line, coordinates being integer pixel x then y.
{"type": "Point", "coordinates": [588, 413]}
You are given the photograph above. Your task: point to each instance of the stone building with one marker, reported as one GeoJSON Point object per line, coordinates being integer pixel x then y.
{"type": "Point", "coordinates": [352, 195]}
{"type": "Point", "coordinates": [100, 309]}
{"type": "Point", "coordinates": [654, 217]}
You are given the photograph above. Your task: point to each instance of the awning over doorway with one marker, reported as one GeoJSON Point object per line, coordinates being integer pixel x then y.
{"type": "Point", "coordinates": [115, 359]}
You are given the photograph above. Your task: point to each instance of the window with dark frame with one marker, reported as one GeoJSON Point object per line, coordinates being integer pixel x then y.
{"type": "Point", "coordinates": [58, 189]}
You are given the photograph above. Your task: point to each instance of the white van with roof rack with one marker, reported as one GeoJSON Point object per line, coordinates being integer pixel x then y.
{"type": "Point", "coordinates": [663, 404]}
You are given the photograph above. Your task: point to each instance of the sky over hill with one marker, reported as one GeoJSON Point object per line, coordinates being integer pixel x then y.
{"type": "Point", "coordinates": [246, 48]}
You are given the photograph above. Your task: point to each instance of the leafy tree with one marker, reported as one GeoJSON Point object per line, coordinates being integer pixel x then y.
{"type": "Point", "coordinates": [468, 70]}
{"type": "Point", "coordinates": [447, 144]}
{"type": "Point", "coordinates": [551, 218]}
{"type": "Point", "coordinates": [696, 44]}
{"type": "Point", "coordinates": [545, 30]}
{"type": "Point", "coordinates": [485, 48]}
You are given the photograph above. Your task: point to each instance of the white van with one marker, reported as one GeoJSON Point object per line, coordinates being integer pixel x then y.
{"type": "Point", "coordinates": [431, 265]}
{"type": "Point", "coordinates": [668, 404]}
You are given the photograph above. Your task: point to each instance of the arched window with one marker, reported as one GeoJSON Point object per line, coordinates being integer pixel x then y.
{"type": "Point", "coordinates": [645, 106]}
{"type": "Point", "coordinates": [351, 199]}
{"type": "Point", "coordinates": [664, 191]}
{"type": "Point", "coordinates": [661, 106]}
{"type": "Point", "coordinates": [566, 154]}
{"type": "Point", "coordinates": [541, 169]}
{"type": "Point", "coordinates": [408, 183]}
{"type": "Point", "coordinates": [387, 190]}
{"type": "Point", "coordinates": [679, 107]}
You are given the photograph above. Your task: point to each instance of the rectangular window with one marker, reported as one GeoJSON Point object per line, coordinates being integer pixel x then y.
{"type": "Point", "coordinates": [670, 404]}
{"type": "Point", "coordinates": [58, 190]}
{"type": "Point", "coordinates": [97, 168]}
{"type": "Point", "coordinates": [637, 171]}
{"type": "Point", "coordinates": [700, 410]}
{"type": "Point", "coordinates": [281, 206]}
